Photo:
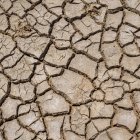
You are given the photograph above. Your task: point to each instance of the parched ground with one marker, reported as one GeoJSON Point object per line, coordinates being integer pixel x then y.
{"type": "Point", "coordinates": [69, 69]}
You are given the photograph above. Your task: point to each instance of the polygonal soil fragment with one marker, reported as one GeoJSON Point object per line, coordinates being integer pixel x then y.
{"type": "Point", "coordinates": [79, 63]}
{"type": "Point", "coordinates": [75, 86]}
{"type": "Point", "coordinates": [58, 57]}
{"type": "Point", "coordinates": [125, 118]}
{"type": "Point", "coordinates": [100, 109]}
{"type": "Point", "coordinates": [52, 103]}
{"type": "Point", "coordinates": [112, 53]}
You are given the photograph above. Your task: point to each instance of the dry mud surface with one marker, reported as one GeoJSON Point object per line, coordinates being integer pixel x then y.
{"type": "Point", "coordinates": [69, 70]}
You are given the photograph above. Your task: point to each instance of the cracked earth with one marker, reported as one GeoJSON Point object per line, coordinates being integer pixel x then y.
{"type": "Point", "coordinates": [69, 70]}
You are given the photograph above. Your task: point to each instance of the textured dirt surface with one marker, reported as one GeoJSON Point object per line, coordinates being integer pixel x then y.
{"type": "Point", "coordinates": [69, 70]}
